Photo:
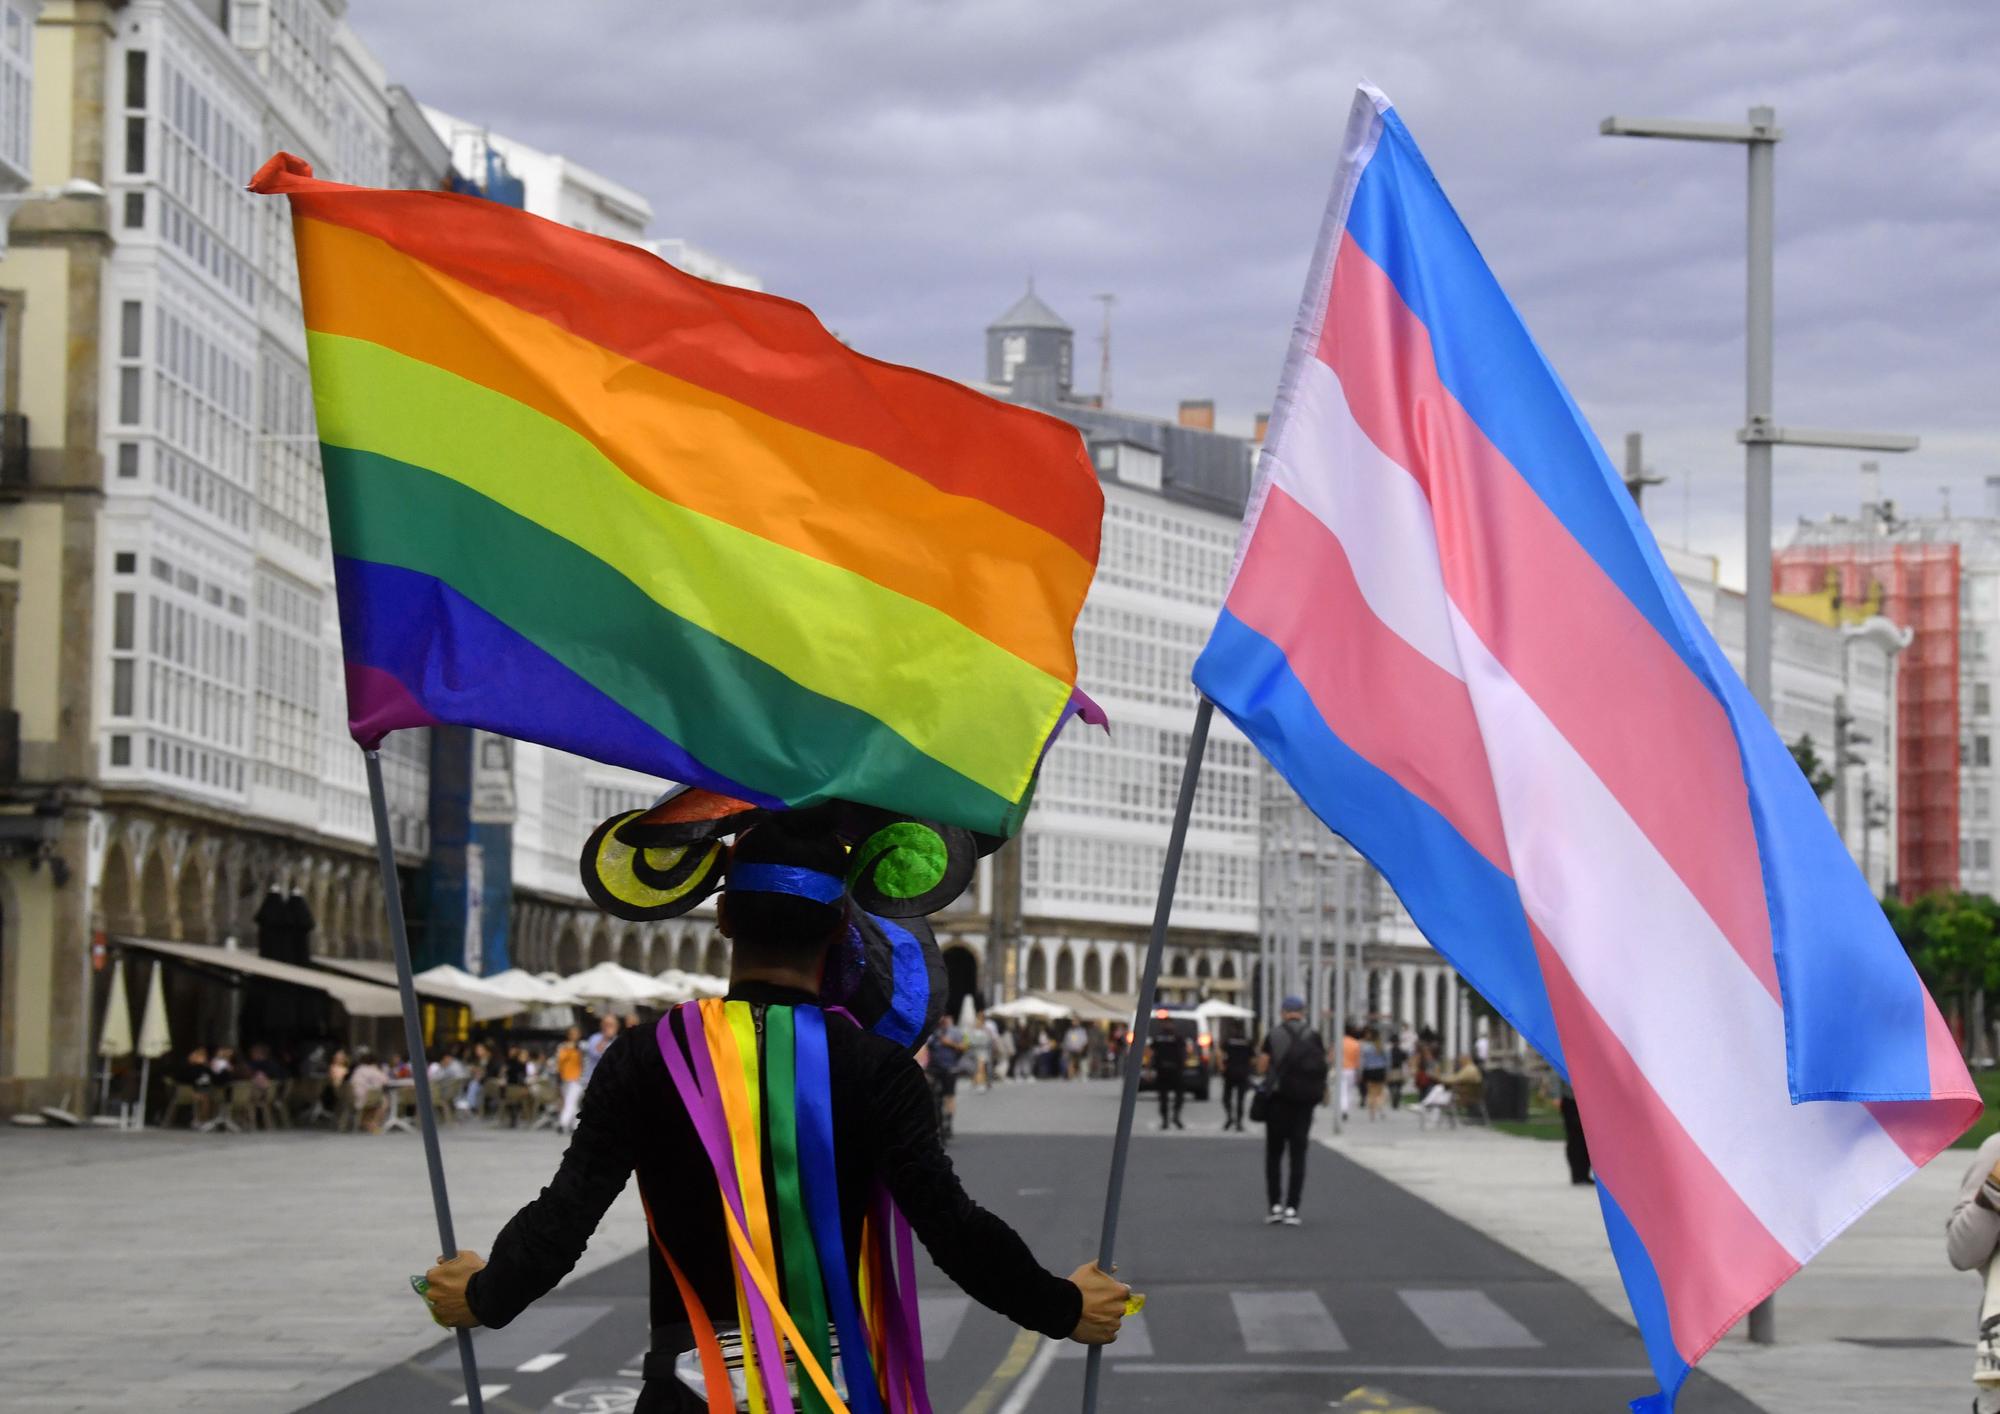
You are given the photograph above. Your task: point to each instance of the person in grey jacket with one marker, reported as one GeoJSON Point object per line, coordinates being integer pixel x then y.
{"type": "Point", "coordinates": [1970, 1237]}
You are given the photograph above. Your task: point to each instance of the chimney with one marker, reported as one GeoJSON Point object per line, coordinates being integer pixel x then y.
{"type": "Point", "coordinates": [1198, 412]}
{"type": "Point", "coordinates": [1263, 426]}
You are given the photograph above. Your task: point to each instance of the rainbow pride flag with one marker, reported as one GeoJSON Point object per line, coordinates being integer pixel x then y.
{"type": "Point", "coordinates": [581, 498]}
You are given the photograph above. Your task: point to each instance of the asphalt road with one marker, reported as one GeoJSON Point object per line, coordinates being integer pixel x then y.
{"type": "Point", "coordinates": [1379, 1303]}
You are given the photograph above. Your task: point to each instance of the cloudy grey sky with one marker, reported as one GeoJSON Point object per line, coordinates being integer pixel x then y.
{"type": "Point", "coordinates": [902, 166]}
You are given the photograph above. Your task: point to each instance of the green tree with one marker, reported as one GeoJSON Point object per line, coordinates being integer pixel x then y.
{"type": "Point", "coordinates": [1953, 940]}
{"type": "Point", "coordinates": [1816, 771]}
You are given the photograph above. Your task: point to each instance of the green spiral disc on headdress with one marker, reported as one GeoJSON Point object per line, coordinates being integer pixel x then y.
{"type": "Point", "coordinates": [905, 868]}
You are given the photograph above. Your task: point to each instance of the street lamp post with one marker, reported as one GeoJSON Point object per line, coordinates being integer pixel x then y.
{"type": "Point", "coordinates": [1760, 432]}
{"type": "Point", "coordinates": [11, 202]}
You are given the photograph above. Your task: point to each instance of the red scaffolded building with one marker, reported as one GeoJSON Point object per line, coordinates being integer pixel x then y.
{"type": "Point", "coordinates": [1914, 584]}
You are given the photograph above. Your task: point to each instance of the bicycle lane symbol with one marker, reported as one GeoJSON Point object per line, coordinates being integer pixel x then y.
{"type": "Point", "coordinates": [596, 1399]}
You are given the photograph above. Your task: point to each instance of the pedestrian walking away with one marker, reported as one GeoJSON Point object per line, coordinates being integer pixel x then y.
{"type": "Point", "coordinates": [1237, 1062]}
{"type": "Point", "coordinates": [1350, 1067]}
{"type": "Point", "coordinates": [1168, 1049]}
{"type": "Point", "coordinates": [979, 1046]}
{"type": "Point", "coordinates": [941, 1060]}
{"type": "Point", "coordinates": [1374, 1076]}
{"type": "Point", "coordinates": [1293, 1063]}
{"type": "Point", "coordinates": [596, 1046]}
{"type": "Point", "coordinates": [841, 1088]}
{"type": "Point", "coordinates": [569, 1071]}
{"type": "Point", "coordinates": [1574, 1143]}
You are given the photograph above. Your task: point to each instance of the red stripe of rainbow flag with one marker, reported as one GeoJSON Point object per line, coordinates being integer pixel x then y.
{"type": "Point", "coordinates": [581, 498]}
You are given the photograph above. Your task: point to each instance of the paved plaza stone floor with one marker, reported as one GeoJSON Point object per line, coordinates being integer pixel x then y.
{"type": "Point", "coordinates": [258, 1274]}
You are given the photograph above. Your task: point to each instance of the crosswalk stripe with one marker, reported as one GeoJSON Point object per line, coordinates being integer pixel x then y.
{"type": "Point", "coordinates": [539, 1364]}
{"type": "Point", "coordinates": [486, 1392]}
{"type": "Point", "coordinates": [1134, 1342]}
{"type": "Point", "coordinates": [1467, 1320]}
{"type": "Point", "coordinates": [1285, 1323]}
{"type": "Point", "coordinates": [941, 1317]}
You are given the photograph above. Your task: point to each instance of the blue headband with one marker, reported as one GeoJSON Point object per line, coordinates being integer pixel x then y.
{"type": "Point", "coordinates": [785, 879]}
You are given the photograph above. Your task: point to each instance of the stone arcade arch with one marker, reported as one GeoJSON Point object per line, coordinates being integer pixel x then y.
{"type": "Point", "coordinates": [1093, 972]}
{"type": "Point", "coordinates": [715, 957]}
{"type": "Point", "coordinates": [687, 957]}
{"type": "Point", "coordinates": [1038, 969]}
{"type": "Point", "coordinates": [114, 890]}
{"type": "Point", "coordinates": [1121, 973]}
{"type": "Point", "coordinates": [603, 944]}
{"type": "Point", "coordinates": [632, 950]}
{"type": "Point", "coordinates": [1065, 970]}
{"type": "Point", "coordinates": [156, 909]}
{"type": "Point", "coordinates": [569, 951]}
{"type": "Point", "coordinates": [961, 971]}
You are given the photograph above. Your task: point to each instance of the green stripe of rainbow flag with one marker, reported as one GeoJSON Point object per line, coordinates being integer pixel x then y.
{"type": "Point", "coordinates": [584, 499]}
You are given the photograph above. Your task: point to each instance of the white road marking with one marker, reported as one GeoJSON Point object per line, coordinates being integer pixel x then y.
{"type": "Point", "coordinates": [1133, 1343]}
{"type": "Point", "coordinates": [1468, 1320]}
{"type": "Point", "coordinates": [486, 1392]}
{"type": "Point", "coordinates": [1470, 1372]}
{"type": "Point", "coordinates": [539, 1364]}
{"type": "Point", "coordinates": [1286, 1323]}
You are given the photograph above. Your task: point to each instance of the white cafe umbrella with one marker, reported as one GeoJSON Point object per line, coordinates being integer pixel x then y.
{"type": "Point", "coordinates": [1029, 1007]}
{"type": "Point", "coordinates": [968, 1015]}
{"type": "Point", "coordinates": [154, 1039]}
{"type": "Point", "coordinates": [522, 986]}
{"type": "Point", "coordinates": [609, 984]}
{"type": "Point", "coordinates": [114, 1038]}
{"type": "Point", "coordinates": [675, 985]}
{"type": "Point", "coordinates": [685, 986]}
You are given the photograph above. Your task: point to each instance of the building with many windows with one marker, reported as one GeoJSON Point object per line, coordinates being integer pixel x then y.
{"type": "Point", "coordinates": [171, 666]}
{"type": "Point", "coordinates": [1939, 578]}
{"type": "Point", "coordinates": [1069, 905]}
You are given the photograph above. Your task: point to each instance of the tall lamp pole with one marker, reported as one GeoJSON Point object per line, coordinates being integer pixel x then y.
{"type": "Point", "coordinates": [1760, 432]}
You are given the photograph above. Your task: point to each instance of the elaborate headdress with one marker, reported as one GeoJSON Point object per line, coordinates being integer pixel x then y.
{"type": "Point", "coordinates": [887, 974]}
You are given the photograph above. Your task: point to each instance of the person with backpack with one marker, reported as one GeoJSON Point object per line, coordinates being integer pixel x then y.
{"type": "Point", "coordinates": [1295, 1068]}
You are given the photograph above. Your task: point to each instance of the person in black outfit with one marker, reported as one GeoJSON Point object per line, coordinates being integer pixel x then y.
{"type": "Point", "coordinates": [1287, 1120]}
{"type": "Point", "coordinates": [1575, 1147]}
{"type": "Point", "coordinates": [1236, 1063]}
{"type": "Point", "coordinates": [1169, 1050]}
{"type": "Point", "coordinates": [884, 1125]}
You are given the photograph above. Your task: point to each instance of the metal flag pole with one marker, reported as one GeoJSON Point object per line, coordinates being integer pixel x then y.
{"type": "Point", "coordinates": [1149, 977]}
{"type": "Point", "coordinates": [413, 1043]}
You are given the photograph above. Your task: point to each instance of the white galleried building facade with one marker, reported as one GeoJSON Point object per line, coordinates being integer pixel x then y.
{"type": "Point", "coordinates": [173, 739]}
{"type": "Point", "coordinates": [176, 704]}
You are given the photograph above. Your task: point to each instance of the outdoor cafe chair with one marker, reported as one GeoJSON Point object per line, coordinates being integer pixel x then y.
{"type": "Point", "coordinates": [186, 1097]}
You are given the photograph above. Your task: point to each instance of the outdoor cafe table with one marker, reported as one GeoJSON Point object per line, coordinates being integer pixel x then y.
{"type": "Point", "coordinates": [395, 1090]}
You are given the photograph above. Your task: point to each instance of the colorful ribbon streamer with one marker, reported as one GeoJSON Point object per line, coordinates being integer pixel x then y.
{"type": "Point", "coordinates": [732, 1089]}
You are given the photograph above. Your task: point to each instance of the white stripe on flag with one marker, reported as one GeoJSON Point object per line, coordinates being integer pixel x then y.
{"type": "Point", "coordinates": [1375, 509]}
{"type": "Point", "coordinates": [1653, 964]}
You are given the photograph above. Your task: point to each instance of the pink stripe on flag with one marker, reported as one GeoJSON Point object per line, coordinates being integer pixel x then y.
{"type": "Point", "coordinates": [1917, 1129]}
{"type": "Point", "coordinates": [378, 703]}
{"type": "Point", "coordinates": [1704, 1241]}
{"type": "Point", "coordinates": [1396, 708]}
{"type": "Point", "coordinates": [1551, 616]}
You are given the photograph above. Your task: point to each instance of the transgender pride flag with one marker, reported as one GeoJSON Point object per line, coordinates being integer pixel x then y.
{"type": "Point", "coordinates": [1451, 632]}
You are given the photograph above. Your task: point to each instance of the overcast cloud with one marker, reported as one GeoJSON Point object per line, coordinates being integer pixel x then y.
{"type": "Point", "coordinates": [902, 167]}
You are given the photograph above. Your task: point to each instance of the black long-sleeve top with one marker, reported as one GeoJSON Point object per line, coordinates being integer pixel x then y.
{"type": "Point", "coordinates": [884, 1126]}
